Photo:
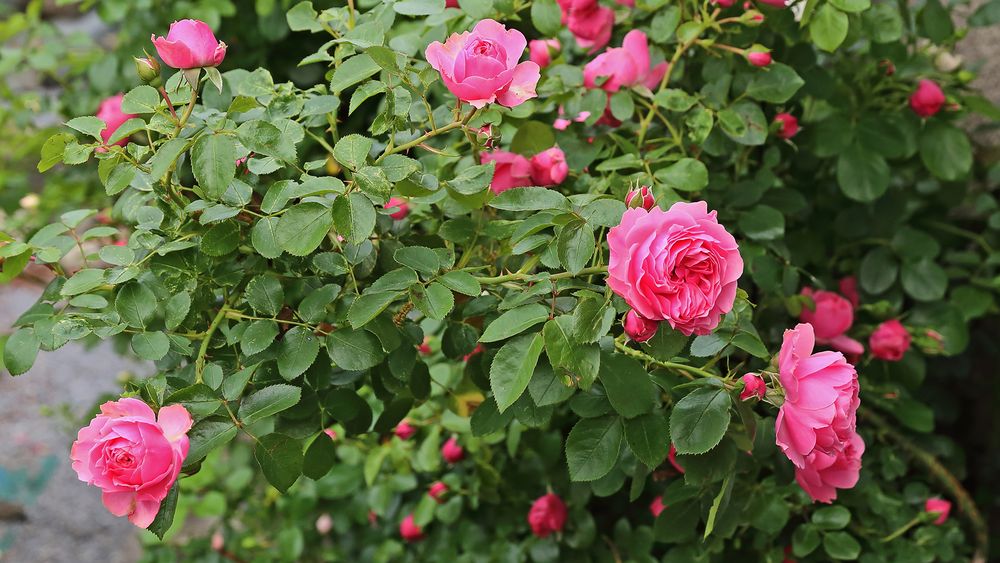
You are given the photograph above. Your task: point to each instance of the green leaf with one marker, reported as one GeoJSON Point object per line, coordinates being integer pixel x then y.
{"type": "Point", "coordinates": [533, 137]}
{"type": "Point", "coordinates": [268, 402]}
{"type": "Point", "coordinates": [593, 446]}
{"type": "Point", "coordinates": [141, 99]}
{"type": "Point", "coordinates": [213, 161]}
{"type": "Point", "coordinates": [52, 150]}
{"type": "Point", "coordinates": [264, 237]}
{"type": "Point", "coordinates": [88, 125]}
{"type": "Point", "coordinates": [165, 157]}
{"type": "Point", "coordinates": [862, 175]}
{"type": "Point", "coordinates": [628, 385]}
{"type": "Point", "coordinates": [924, 280]}
{"type": "Point", "coordinates": [945, 151]}
{"type": "Point", "coordinates": [775, 84]}
{"type": "Point", "coordinates": [828, 27]}
{"type": "Point", "coordinates": [935, 23]}
{"type": "Point", "coordinates": [20, 350]}
{"type": "Point", "coordinates": [150, 345]}
{"type": "Point", "coordinates": [649, 438]}
{"type": "Point", "coordinates": [699, 420]}
{"type": "Point", "coordinates": [512, 368]}
{"type": "Point", "coordinates": [296, 352]}
{"type": "Point", "coordinates": [831, 517]}
{"type": "Point", "coordinates": [280, 458]}
{"type": "Point", "coordinates": [136, 305]}
{"type": "Point", "coordinates": [176, 309]}
{"type": "Point", "coordinates": [127, 129]}
{"type": "Point", "coordinates": [514, 321]}
{"type": "Point", "coordinates": [165, 515]}
{"type": "Point", "coordinates": [851, 6]}
{"type": "Point", "coordinates": [265, 294]}
{"type": "Point", "coordinates": [303, 17]}
{"type": "Point", "coordinates": [687, 175]}
{"type": "Point", "coordinates": [841, 546]}
{"type": "Point", "coordinates": [206, 436]}
{"type": "Point", "coordinates": [487, 419]}
{"type": "Point", "coordinates": [473, 180]}
{"type": "Point", "coordinates": [420, 258]}
{"type": "Point", "coordinates": [762, 223]}
{"type": "Point", "coordinates": [576, 246]}
{"type": "Point", "coordinates": [529, 199]}
{"type": "Point", "coordinates": [744, 123]}
{"type": "Point", "coordinates": [354, 350]}
{"type": "Point", "coordinates": [265, 138]}
{"type": "Point", "coordinates": [369, 305]}
{"type": "Point", "coordinates": [303, 228]}
{"type": "Point", "coordinates": [546, 387]}
{"type": "Point", "coordinates": [258, 336]}
{"type": "Point", "coordinates": [418, 7]}
{"type": "Point", "coordinates": [320, 457]}
{"type": "Point", "coordinates": [547, 17]}
{"type": "Point", "coordinates": [435, 301]}
{"type": "Point", "coordinates": [354, 217]}
{"type": "Point", "coordinates": [878, 270]}
{"type": "Point", "coordinates": [199, 399]}
{"type": "Point", "coordinates": [351, 71]}
{"type": "Point", "coordinates": [461, 282]}
{"type": "Point", "coordinates": [233, 385]}
{"type": "Point", "coordinates": [352, 151]}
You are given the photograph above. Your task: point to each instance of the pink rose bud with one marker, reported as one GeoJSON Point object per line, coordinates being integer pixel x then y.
{"type": "Point", "coordinates": [331, 433]}
{"type": "Point", "coordinates": [788, 125]}
{"type": "Point", "coordinates": [889, 341]}
{"type": "Point", "coordinates": [424, 348]}
{"type": "Point", "coordinates": [759, 58]}
{"type": "Point", "coordinates": [189, 44]}
{"type": "Point", "coordinates": [642, 197]}
{"type": "Point", "coordinates": [672, 458]}
{"type": "Point", "coordinates": [451, 4]}
{"type": "Point", "coordinates": [540, 51]}
{"type": "Point", "coordinates": [774, 3]}
{"type": "Point", "coordinates": [148, 70]}
{"type": "Point", "coordinates": [831, 317]}
{"type": "Point", "coordinates": [887, 66]}
{"type": "Point", "coordinates": [437, 491]}
{"type": "Point", "coordinates": [927, 99]}
{"type": "Point", "coordinates": [409, 530]}
{"type": "Point", "coordinates": [751, 18]}
{"type": "Point", "coordinates": [480, 67]}
{"type": "Point", "coordinates": [821, 442]}
{"type": "Point", "coordinates": [404, 430]}
{"type": "Point", "coordinates": [372, 517]}
{"type": "Point", "coordinates": [588, 21]}
{"type": "Point", "coordinates": [218, 541]}
{"type": "Point", "coordinates": [510, 171]}
{"type": "Point", "coordinates": [401, 208]}
{"type": "Point", "coordinates": [111, 114]}
{"type": "Point", "coordinates": [657, 506]}
{"type": "Point", "coordinates": [324, 524]}
{"type": "Point", "coordinates": [133, 455]}
{"type": "Point", "coordinates": [679, 265]}
{"type": "Point", "coordinates": [935, 336]}
{"type": "Point", "coordinates": [938, 506]}
{"type": "Point", "coordinates": [549, 168]}
{"type": "Point", "coordinates": [638, 328]}
{"type": "Point", "coordinates": [452, 452]}
{"type": "Point", "coordinates": [724, 3]}
{"type": "Point", "coordinates": [625, 66]}
{"type": "Point", "coordinates": [753, 386]}
{"type": "Point", "coordinates": [477, 350]}
{"type": "Point", "coordinates": [547, 515]}
{"type": "Point", "coordinates": [849, 288]}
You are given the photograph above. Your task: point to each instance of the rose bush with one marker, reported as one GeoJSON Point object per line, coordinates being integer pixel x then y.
{"type": "Point", "coordinates": [449, 295]}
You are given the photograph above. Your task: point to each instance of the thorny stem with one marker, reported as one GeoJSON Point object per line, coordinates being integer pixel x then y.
{"type": "Point", "coordinates": [686, 370]}
{"type": "Point", "coordinates": [170, 105]}
{"type": "Point", "coordinates": [199, 362]}
{"type": "Point", "coordinates": [523, 276]}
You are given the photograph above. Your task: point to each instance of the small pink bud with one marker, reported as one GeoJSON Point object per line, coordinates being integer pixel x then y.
{"type": "Point", "coordinates": [324, 524]}
{"type": "Point", "coordinates": [657, 506]}
{"type": "Point", "coordinates": [437, 491]}
{"type": "Point", "coordinates": [642, 197]}
{"type": "Point", "coordinates": [451, 451]}
{"type": "Point", "coordinates": [331, 433]}
{"type": "Point", "coordinates": [759, 58]}
{"type": "Point", "coordinates": [424, 348]}
{"type": "Point", "coordinates": [400, 209]}
{"type": "Point", "coordinates": [788, 125]}
{"type": "Point", "coordinates": [753, 386]}
{"type": "Point", "coordinates": [939, 506]}
{"type": "Point", "coordinates": [547, 515]}
{"type": "Point", "coordinates": [218, 541]}
{"type": "Point", "coordinates": [638, 328]}
{"type": "Point", "coordinates": [409, 530]}
{"type": "Point", "coordinates": [404, 430]}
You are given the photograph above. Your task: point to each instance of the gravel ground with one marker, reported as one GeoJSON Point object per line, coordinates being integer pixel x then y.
{"type": "Point", "coordinates": [65, 520]}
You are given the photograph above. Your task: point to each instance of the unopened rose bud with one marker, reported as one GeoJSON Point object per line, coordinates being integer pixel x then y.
{"type": "Point", "coordinates": [752, 18]}
{"type": "Point", "coordinates": [753, 386]}
{"type": "Point", "coordinates": [638, 328]}
{"type": "Point", "coordinates": [148, 70]}
{"type": "Point", "coordinates": [324, 524]}
{"type": "Point", "coordinates": [887, 67]}
{"type": "Point", "coordinates": [218, 541]}
{"type": "Point", "coordinates": [642, 197]}
{"type": "Point", "coordinates": [758, 56]}
{"type": "Point", "coordinates": [940, 507]}
{"type": "Point", "coordinates": [437, 491]}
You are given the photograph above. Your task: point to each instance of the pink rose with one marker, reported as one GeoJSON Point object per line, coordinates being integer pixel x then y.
{"type": "Point", "coordinates": [547, 515]}
{"type": "Point", "coordinates": [110, 112]}
{"type": "Point", "coordinates": [409, 530]}
{"type": "Point", "coordinates": [451, 4]}
{"type": "Point", "coordinates": [624, 66]}
{"type": "Point", "coordinates": [324, 524]}
{"type": "Point", "coordinates": [562, 123]}
{"type": "Point", "coordinates": [672, 458]}
{"type": "Point", "coordinates": [133, 456]}
{"type": "Point", "coordinates": [656, 507]}
{"type": "Point", "coordinates": [437, 491]}
{"type": "Point", "coordinates": [331, 433]}
{"type": "Point", "coordinates": [678, 265]}
{"type": "Point", "coordinates": [816, 425]}
{"type": "Point", "coordinates": [404, 430]}
{"type": "Point", "coordinates": [510, 171]}
{"type": "Point", "coordinates": [638, 328]}
{"type": "Point", "coordinates": [480, 67]}
{"type": "Point", "coordinates": [451, 451]}
{"type": "Point", "coordinates": [759, 58]}
{"type": "Point", "coordinates": [425, 348]}
{"type": "Point", "coordinates": [549, 168]}
{"type": "Point", "coordinates": [788, 125]}
{"type": "Point", "coordinates": [831, 317]}
{"type": "Point", "coordinates": [939, 506]}
{"type": "Point", "coordinates": [927, 99]}
{"type": "Point", "coordinates": [540, 51]}
{"type": "Point", "coordinates": [889, 341]}
{"type": "Point", "coordinates": [588, 21]}
{"type": "Point", "coordinates": [402, 209]}
{"type": "Point", "coordinates": [753, 386]}
{"type": "Point", "coordinates": [849, 288]}
{"type": "Point", "coordinates": [773, 3]}
{"type": "Point", "coordinates": [189, 44]}
{"type": "Point", "coordinates": [641, 197]}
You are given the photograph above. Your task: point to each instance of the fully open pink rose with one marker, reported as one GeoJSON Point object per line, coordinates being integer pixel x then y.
{"type": "Point", "coordinates": [540, 51]}
{"type": "Point", "coordinates": [678, 265]}
{"type": "Point", "coordinates": [547, 515]}
{"type": "Point", "coordinates": [510, 171]}
{"type": "Point", "coordinates": [927, 99]}
{"type": "Point", "coordinates": [890, 341]}
{"type": "Point", "coordinates": [588, 21]}
{"type": "Point", "coordinates": [133, 456]}
{"type": "Point", "coordinates": [816, 425]}
{"type": "Point", "coordinates": [549, 168]}
{"type": "Point", "coordinates": [831, 317]}
{"type": "Point", "coordinates": [400, 209]}
{"type": "Point", "coordinates": [110, 112]}
{"type": "Point", "coordinates": [637, 328]}
{"type": "Point", "coordinates": [480, 66]}
{"type": "Point", "coordinates": [939, 506]}
{"type": "Point", "coordinates": [189, 44]}
{"type": "Point", "coordinates": [624, 66]}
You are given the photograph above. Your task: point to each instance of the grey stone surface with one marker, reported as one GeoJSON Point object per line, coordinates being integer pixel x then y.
{"type": "Point", "coordinates": [66, 521]}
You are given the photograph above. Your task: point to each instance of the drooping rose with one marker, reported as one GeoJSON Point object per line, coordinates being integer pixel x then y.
{"type": "Point", "coordinates": [753, 386]}
{"type": "Point", "coordinates": [481, 66]}
{"type": "Point", "coordinates": [110, 112]}
{"type": "Point", "coordinates": [788, 125]}
{"type": "Point", "coordinates": [409, 530]}
{"type": "Point", "coordinates": [540, 51]}
{"type": "Point", "coordinates": [404, 430]}
{"type": "Point", "coordinates": [638, 328]}
{"type": "Point", "coordinates": [547, 515]}
{"type": "Point", "coordinates": [437, 491]}
{"type": "Point", "coordinates": [451, 451]}
{"type": "Point", "coordinates": [831, 317]}
{"type": "Point", "coordinates": [549, 168]}
{"type": "Point", "coordinates": [624, 66]}
{"type": "Point", "coordinates": [816, 425]}
{"type": "Point", "coordinates": [927, 99]}
{"type": "Point", "coordinates": [678, 265]}
{"type": "Point", "coordinates": [889, 341]}
{"type": "Point", "coordinates": [939, 506]}
{"type": "Point", "coordinates": [657, 507]}
{"type": "Point", "coordinates": [510, 171]}
{"type": "Point", "coordinates": [849, 288]}
{"type": "Point", "coordinates": [402, 209]}
{"type": "Point", "coordinates": [189, 44]}
{"type": "Point", "coordinates": [133, 455]}
{"type": "Point", "coordinates": [588, 21]}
